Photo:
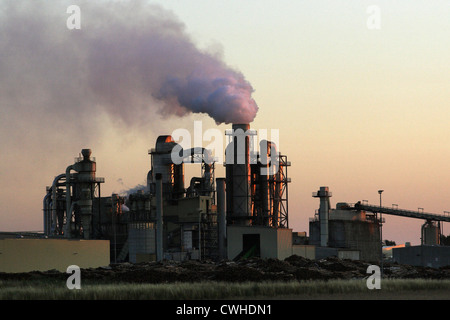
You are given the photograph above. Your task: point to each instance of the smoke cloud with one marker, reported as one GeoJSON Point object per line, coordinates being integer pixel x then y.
{"type": "Point", "coordinates": [129, 59]}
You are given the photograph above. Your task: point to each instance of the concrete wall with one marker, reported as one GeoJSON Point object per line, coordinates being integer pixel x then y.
{"type": "Point", "coordinates": [24, 255]}
{"type": "Point", "coordinates": [305, 251]}
{"type": "Point", "coordinates": [349, 254]}
{"type": "Point", "coordinates": [325, 252]}
{"type": "Point", "coordinates": [284, 241]}
{"type": "Point", "coordinates": [141, 240]}
{"type": "Point", "coordinates": [235, 240]}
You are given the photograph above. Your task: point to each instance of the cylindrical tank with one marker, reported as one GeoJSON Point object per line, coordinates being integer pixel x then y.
{"type": "Point", "coordinates": [430, 233]}
{"type": "Point", "coordinates": [85, 189]}
{"type": "Point", "coordinates": [172, 174]}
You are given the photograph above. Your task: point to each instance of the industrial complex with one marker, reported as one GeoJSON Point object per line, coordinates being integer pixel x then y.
{"type": "Point", "coordinates": [241, 215]}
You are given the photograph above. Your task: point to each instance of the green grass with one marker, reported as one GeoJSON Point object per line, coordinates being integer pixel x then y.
{"type": "Point", "coordinates": [10, 290]}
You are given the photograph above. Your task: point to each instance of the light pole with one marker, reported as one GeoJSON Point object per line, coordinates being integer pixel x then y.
{"type": "Point", "coordinates": [381, 233]}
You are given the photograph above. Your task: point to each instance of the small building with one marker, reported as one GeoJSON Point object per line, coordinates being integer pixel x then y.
{"type": "Point", "coordinates": [424, 255]}
{"type": "Point", "coordinates": [260, 241]}
{"type": "Point", "coordinates": [28, 254]}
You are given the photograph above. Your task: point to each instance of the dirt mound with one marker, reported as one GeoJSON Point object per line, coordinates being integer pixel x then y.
{"type": "Point", "coordinates": [254, 269]}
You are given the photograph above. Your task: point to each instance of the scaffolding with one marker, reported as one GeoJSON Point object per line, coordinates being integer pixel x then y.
{"type": "Point", "coordinates": [279, 194]}
{"type": "Point", "coordinates": [209, 240]}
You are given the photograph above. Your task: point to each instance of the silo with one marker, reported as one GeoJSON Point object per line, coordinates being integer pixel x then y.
{"type": "Point", "coordinates": [430, 233]}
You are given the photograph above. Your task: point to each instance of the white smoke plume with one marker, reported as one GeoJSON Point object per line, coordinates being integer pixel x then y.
{"type": "Point", "coordinates": [130, 59]}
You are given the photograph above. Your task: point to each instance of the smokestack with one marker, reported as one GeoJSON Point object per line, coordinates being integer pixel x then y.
{"type": "Point", "coordinates": [238, 171]}
{"type": "Point", "coordinates": [324, 194]}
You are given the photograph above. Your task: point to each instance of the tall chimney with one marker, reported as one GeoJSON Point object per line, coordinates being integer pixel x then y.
{"type": "Point", "coordinates": [238, 173]}
{"type": "Point", "coordinates": [324, 210]}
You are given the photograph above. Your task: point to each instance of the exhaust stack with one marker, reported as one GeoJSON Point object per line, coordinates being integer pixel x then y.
{"type": "Point", "coordinates": [238, 175]}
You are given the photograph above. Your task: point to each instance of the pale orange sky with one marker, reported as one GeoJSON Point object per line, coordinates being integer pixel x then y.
{"type": "Point", "coordinates": [358, 110]}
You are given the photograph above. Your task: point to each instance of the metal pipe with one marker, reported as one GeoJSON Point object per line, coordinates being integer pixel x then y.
{"type": "Point", "coordinates": [265, 147]}
{"type": "Point", "coordinates": [46, 212]}
{"type": "Point", "coordinates": [422, 235]}
{"type": "Point", "coordinates": [222, 218]}
{"type": "Point", "coordinates": [159, 218]}
{"type": "Point", "coordinates": [69, 220]}
{"type": "Point", "coordinates": [229, 182]}
{"type": "Point", "coordinates": [68, 197]}
{"type": "Point", "coordinates": [381, 234]}
{"type": "Point", "coordinates": [54, 187]}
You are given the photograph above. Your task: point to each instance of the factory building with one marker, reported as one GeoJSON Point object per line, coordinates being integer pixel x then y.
{"type": "Point", "coordinates": [211, 218]}
{"type": "Point", "coordinates": [433, 256]}
{"type": "Point", "coordinates": [69, 201]}
{"type": "Point", "coordinates": [241, 215]}
{"type": "Point", "coordinates": [353, 234]}
{"type": "Point", "coordinates": [256, 198]}
{"type": "Point", "coordinates": [169, 221]}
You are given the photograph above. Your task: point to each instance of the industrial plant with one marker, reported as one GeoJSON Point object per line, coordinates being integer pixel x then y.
{"type": "Point", "coordinates": [241, 215]}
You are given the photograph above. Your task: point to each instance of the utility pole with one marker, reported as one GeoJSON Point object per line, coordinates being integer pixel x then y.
{"type": "Point", "coordinates": [381, 234]}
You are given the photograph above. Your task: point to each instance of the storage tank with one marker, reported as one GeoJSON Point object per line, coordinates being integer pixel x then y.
{"type": "Point", "coordinates": [430, 233]}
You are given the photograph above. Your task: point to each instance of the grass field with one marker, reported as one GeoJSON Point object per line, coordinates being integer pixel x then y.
{"type": "Point", "coordinates": [336, 289]}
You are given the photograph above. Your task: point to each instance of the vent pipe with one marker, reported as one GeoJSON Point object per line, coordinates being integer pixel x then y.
{"type": "Point", "coordinates": [222, 219]}
{"type": "Point", "coordinates": [159, 218]}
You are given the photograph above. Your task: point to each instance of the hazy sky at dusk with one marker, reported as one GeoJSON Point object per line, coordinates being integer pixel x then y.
{"type": "Point", "coordinates": [357, 109]}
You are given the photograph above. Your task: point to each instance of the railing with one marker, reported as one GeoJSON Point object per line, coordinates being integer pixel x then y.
{"type": "Point", "coordinates": [79, 159]}
{"type": "Point", "coordinates": [317, 194]}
